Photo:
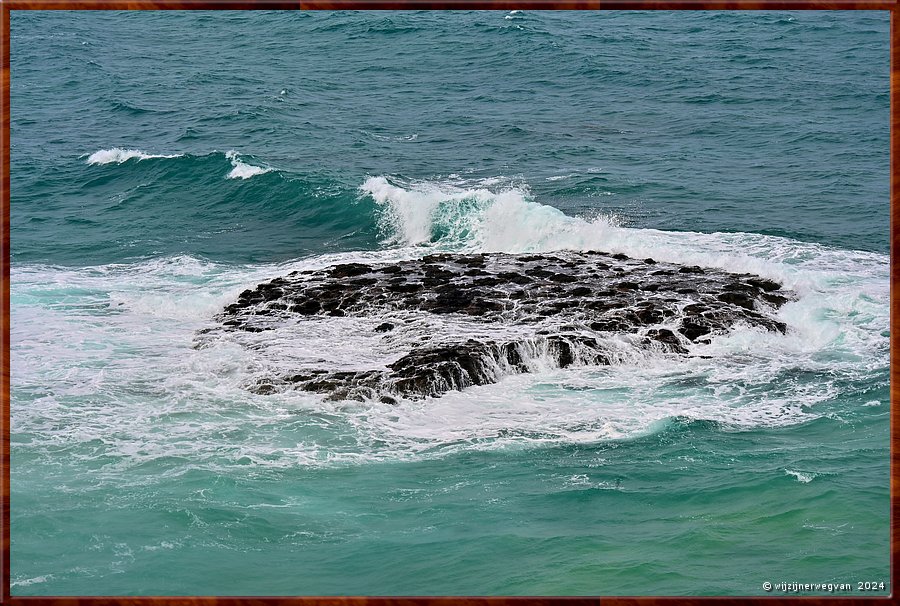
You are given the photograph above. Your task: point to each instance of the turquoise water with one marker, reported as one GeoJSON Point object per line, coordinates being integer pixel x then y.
{"type": "Point", "coordinates": [164, 162]}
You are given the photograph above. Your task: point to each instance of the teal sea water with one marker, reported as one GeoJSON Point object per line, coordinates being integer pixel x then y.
{"type": "Point", "coordinates": [164, 162]}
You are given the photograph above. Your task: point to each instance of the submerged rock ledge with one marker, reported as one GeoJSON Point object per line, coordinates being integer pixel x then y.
{"type": "Point", "coordinates": [568, 304]}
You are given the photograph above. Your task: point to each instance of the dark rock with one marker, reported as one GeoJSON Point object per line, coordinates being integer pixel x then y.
{"type": "Point", "coordinates": [667, 338]}
{"type": "Point", "coordinates": [514, 277]}
{"type": "Point", "coordinates": [405, 287]}
{"type": "Point", "coordinates": [433, 371]}
{"type": "Point", "coordinates": [264, 389]}
{"type": "Point", "coordinates": [363, 282]}
{"type": "Point", "coordinates": [339, 286]}
{"type": "Point", "coordinates": [491, 281]}
{"type": "Point", "coordinates": [436, 258]}
{"type": "Point", "coordinates": [433, 271]}
{"type": "Point", "coordinates": [695, 308]}
{"type": "Point", "coordinates": [694, 328]}
{"type": "Point", "coordinates": [775, 300]}
{"type": "Point", "coordinates": [764, 284]}
{"type": "Point", "coordinates": [601, 304]}
{"type": "Point", "coordinates": [649, 315]}
{"type": "Point", "coordinates": [563, 278]}
{"type": "Point", "coordinates": [448, 300]}
{"type": "Point", "coordinates": [537, 272]}
{"type": "Point", "coordinates": [502, 290]}
{"type": "Point", "coordinates": [579, 291]}
{"type": "Point", "coordinates": [609, 325]}
{"type": "Point", "coordinates": [692, 269]}
{"type": "Point", "coordinates": [307, 308]}
{"type": "Point", "coordinates": [348, 270]}
{"type": "Point", "coordinates": [562, 351]}
{"type": "Point", "coordinates": [737, 298]}
{"type": "Point", "coordinates": [481, 306]}
{"type": "Point", "coordinates": [735, 286]}
{"type": "Point", "coordinates": [472, 261]}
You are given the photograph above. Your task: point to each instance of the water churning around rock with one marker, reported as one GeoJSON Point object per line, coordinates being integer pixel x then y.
{"type": "Point", "coordinates": [559, 308]}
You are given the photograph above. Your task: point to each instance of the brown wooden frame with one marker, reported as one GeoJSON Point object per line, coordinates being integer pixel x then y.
{"type": "Point", "coordinates": [7, 5]}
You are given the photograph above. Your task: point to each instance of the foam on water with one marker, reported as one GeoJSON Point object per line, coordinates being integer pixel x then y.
{"type": "Point", "coordinates": [118, 155]}
{"type": "Point", "coordinates": [450, 215]}
{"type": "Point", "coordinates": [803, 478]}
{"type": "Point", "coordinates": [392, 139]}
{"type": "Point", "coordinates": [152, 460]}
{"type": "Point", "coordinates": [240, 170]}
{"type": "Point", "coordinates": [24, 582]}
{"type": "Point", "coordinates": [127, 381]}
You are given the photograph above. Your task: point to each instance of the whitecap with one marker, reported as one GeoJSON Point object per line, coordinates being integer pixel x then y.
{"type": "Point", "coordinates": [30, 581]}
{"type": "Point", "coordinates": [119, 155]}
{"type": "Point", "coordinates": [803, 478]}
{"type": "Point", "coordinates": [241, 170]}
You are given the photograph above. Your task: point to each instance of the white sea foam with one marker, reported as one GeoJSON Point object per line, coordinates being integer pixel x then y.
{"type": "Point", "coordinates": [452, 216]}
{"type": "Point", "coordinates": [30, 581]}
{"type": "Point", "coordinates": [126, 380]}
{"type": "Point", "coordinates": [393, 139]}
{"type": "Point", "coordinates": [119, 155]}
{"type": "Point", "coordinates": [803, 478]}
{"type": "Point", "coordinates": [241, 170]}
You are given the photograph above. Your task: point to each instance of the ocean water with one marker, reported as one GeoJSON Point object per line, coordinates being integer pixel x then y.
{"type": "Point", "coordinates": [163, 162]}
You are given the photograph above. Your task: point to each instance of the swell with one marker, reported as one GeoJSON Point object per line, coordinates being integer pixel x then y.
{"type": "Point", "coordinates": [227, 206]}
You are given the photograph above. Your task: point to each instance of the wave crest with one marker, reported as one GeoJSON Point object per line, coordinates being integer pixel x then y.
{"type": "Point", "coordinates": [118, 155]}
{"type": "Point", "coordinates": [468, 217]}
{"type": "Point", "coordinates": [480, 219]}
{"type": "Point", "coordinates": [240, 170]}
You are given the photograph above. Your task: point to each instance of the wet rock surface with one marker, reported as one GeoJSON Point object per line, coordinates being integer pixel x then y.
{"type": "Point", "coordinates": [560, 308]}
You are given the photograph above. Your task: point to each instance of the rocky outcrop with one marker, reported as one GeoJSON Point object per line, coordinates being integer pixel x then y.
{"type": "Point", "coordinates": [567, 305]}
